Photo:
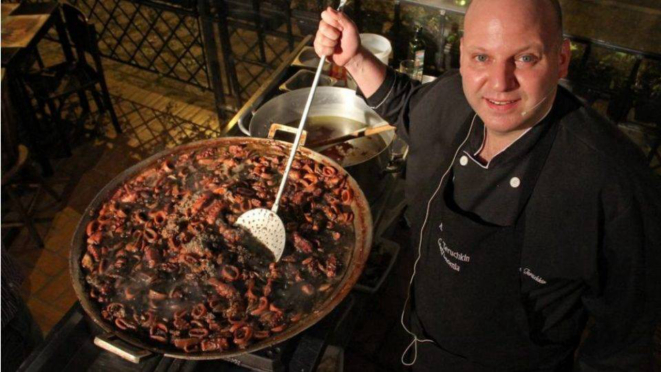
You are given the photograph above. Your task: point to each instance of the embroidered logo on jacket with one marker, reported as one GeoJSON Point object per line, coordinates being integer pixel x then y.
{"type": "Point", "coordinates": [449, 254]}
{"type": "Point", "coordinates": [526, 271]}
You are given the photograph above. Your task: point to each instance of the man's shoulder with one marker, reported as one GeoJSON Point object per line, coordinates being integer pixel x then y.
{"type": "Point", "coordinates": [597, 156]}
{"type": "Point", "coordinates": [448, 83]}
{"type": "Point", "coordinates": [443, 96]}
{"type": "Point", "coordinates": [437, 109]}
{"type": "Point", "coordinates": [589, 134]}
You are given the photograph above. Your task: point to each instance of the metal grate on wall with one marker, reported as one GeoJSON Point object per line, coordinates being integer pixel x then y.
{"type": "Point", "coordinates": [260, 35]}
{"type": "Point", "coordinates": [166, 37]}
{"type": "Point", "coordinates": [162, 38]}
{"type": "Point", "coordinates": [244, 41]}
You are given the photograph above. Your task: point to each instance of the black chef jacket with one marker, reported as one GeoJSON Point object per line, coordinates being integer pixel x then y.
{"type": "Point", "coordinates": [582, 216]}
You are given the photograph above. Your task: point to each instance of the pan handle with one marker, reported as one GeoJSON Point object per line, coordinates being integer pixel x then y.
{"type": "Point", "coordinates": [242, 127]}
{"type": "Point", "coordinates": [111, 343]}
{"type": "Point", "coordinates": [394, 166]}
{"type": "Point", "coordinates": [398, 157]}
{"type": "Point", "coordinates": [275, 127]}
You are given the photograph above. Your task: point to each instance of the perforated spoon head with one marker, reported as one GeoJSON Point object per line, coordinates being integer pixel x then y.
{"type": "Point", "coordinates": [267, 227]}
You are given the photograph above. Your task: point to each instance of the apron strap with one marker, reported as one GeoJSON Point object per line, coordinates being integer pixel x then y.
{"type": "Point", "coordinates": [415, 341]}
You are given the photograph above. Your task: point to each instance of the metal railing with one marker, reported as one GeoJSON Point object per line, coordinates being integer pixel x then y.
{"type": "Point", "coordinates": [157, 37]}
{"type": "Point", "coordinates": [197, 42]}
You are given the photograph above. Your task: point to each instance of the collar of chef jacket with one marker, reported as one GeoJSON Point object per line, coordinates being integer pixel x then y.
{"type": "Point", "coordinates": [496, 193]}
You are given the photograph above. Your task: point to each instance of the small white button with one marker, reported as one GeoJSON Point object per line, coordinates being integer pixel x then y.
{"type": "Point", "coordinates": [463, 160]}
{"type": "Point", "coordinates": [515, 182]}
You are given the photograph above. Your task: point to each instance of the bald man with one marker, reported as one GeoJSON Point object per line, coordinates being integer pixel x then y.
{"type": "Point", "coordinates": [531, 214]}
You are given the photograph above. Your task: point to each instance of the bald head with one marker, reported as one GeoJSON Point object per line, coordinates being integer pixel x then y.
{"type": "Point", "coordinates": [512, 56]}
{"type": "Point", "coordinates": [546, 14]}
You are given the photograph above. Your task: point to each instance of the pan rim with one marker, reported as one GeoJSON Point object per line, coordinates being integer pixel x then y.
{"type": "Point", "coordinates": [363, 231]}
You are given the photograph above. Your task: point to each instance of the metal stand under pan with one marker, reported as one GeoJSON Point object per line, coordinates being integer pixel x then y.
{"type": "Point", "coordinates": [70, 347]}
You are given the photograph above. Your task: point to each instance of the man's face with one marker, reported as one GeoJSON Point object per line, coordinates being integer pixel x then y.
{"type": "Point", "coordinates": [511, 61]}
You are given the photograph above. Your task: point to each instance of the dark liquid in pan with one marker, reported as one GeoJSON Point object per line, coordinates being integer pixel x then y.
{"type": "Point", "coordinates": [347, 153]}
{"type": "Point", "coordinates": [164, 261]}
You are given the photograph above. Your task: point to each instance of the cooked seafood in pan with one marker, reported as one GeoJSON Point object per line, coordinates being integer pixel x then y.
{"type": "Point", "coordinates": [164, 261]}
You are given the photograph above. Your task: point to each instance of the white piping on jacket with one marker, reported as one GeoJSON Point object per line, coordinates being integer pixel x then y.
{"type": "Point", "coordinates": [415, 341]}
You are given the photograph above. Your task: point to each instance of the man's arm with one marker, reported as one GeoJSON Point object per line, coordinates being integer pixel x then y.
{"type": "Point", "coordinates": [625, 307]}
{"type": "Point", "coordinates": [390, 94]}
{"type": "Point", "coordinates": [367, 70]}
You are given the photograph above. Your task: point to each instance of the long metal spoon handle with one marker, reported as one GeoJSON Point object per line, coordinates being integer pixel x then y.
{"type": "Point", "coordinates": [304, 118]}
{"type": "Point", "coordinates": [294, 146]}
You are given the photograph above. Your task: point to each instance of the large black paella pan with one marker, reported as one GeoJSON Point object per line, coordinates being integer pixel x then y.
{"type": "Point", "coordinates": [163, 268]}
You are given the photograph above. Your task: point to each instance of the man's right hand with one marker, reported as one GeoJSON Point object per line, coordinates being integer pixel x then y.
{"type": "Point", "coordinates": [338, 40]}
{"type": "Point", "coordinates": [337, 37]}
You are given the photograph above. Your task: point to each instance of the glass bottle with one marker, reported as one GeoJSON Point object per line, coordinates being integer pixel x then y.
{"type": "Point", "coordinates": [451, 48]}
{"type": "Point", "coordinates": [417, 53]}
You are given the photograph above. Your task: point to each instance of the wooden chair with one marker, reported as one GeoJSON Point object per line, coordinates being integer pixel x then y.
{"type": "Point", "coordinates": [16, 164]}
{"type": "Point", "coordinates": [53, 85]}
{"type": "Point", "coordinates": [11, 183]}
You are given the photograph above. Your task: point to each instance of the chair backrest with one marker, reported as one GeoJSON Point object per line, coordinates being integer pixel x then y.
{"type": "Point", "coordinates": [81, 32]}
{"type": "Point", "coordinates": [9, 130]}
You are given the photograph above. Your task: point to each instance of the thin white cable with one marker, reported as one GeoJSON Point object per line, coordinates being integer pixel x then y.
{"type": "Point", "coordinates": [392, 87]}
{"type": "Point", "coordinates": [415, 341]}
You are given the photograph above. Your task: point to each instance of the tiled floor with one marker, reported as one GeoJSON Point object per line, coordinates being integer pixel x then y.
{"type": "Point", "coordinates": [150, 122]}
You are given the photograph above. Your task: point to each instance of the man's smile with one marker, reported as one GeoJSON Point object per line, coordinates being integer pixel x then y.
{"type": "Point", "coordinates": [501, 105]}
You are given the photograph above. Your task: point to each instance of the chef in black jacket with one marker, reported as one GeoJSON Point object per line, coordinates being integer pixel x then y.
{"type": "Point", "coordinates": [534, 217]}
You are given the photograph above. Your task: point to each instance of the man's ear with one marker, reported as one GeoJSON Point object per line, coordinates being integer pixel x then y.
{"type": "Point", "coordinates": [565, 58]}
{"type": "Point", "coordinates": [461, 52]}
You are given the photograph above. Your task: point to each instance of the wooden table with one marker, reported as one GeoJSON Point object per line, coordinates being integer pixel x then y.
{"type": "Point", "coordinates": [23, 27]}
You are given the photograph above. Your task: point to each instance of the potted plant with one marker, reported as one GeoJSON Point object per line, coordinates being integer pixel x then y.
{"type": "Point", "coordinates": [648, 93]}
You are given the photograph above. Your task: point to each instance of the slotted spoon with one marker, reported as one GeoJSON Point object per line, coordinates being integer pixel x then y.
{"type": "Point", "coordinates": [263, 224]}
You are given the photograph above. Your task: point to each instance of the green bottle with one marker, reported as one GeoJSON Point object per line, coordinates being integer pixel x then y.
{"type": "Point", "coordinates": [417, 53]}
